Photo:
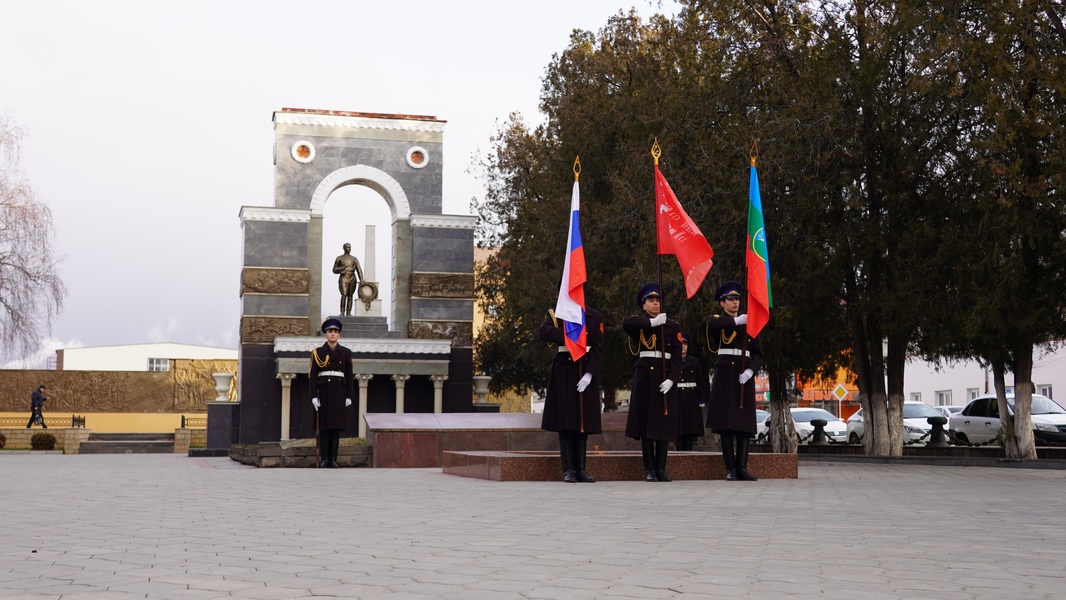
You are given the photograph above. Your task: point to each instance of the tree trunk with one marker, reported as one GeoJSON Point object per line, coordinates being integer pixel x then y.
{"type": "Point", "coordinates": [897, 361]}
{"type": "Point", "coordinates": [1022, 445]}
{"type": "Point", "coordinates": [782, 430]}
{"type": "Point", "coordinates": [870, 371]}
{"type": "Point", "coordinates": [610, 399]}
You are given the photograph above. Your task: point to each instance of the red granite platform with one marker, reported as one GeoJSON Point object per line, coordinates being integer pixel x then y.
{"type": "Point", "coordinates": [608, 466]}
{"type": "Point", "coordinates": [412, 440]}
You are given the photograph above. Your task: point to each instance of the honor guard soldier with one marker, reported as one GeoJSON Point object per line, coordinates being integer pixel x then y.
{"type": "Point", "coordinates": [653, 407]}
{"type": "Point", "coordinates": [692, 392]}
{"type": "Point", "coordinates": [332, 388]}
{"type": "Point", "coordinates": [730, 414]}
{"type": "Point", "coordinates": [572, 403]}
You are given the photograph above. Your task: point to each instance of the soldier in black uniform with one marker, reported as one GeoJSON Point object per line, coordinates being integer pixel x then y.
{"type": "Point", "coordinates": [730, 417]}
{"type": "Point", "coordinates": [332, 387]}
{"type": "Point", "coordinates": [572, 404]}
{"type": "Point", "coordinates": [653, 407]}
{"type": "Point", "coordinates": [692, 392]}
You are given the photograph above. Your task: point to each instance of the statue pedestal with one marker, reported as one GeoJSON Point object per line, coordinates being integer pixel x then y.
{"type": "Point", "coordinates": [366, 327]}
{"type": "Point", "coordinates": [223, 427]}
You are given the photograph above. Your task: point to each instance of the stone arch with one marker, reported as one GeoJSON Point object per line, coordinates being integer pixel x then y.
{"type": "Point", "coordinates": [396, 199]}
{"type": "Point", "coordinates": [375, 179]}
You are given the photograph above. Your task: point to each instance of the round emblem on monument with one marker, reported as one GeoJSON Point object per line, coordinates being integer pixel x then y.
{"type": "Point", "coordinates": [303, 151]}
{"type": "Point", "coordinates": [417, 157]}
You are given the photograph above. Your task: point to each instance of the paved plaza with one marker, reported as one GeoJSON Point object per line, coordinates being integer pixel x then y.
{"type": "Point", "coordinates": [118, 527]}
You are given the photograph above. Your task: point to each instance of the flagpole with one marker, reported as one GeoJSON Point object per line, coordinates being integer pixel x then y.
{"type": "Point", "coordinates": [656, 152]}
{"type": "Point", "coordinates": [753, 154]}
{"type": "Point", "coordinates": [580, 361]}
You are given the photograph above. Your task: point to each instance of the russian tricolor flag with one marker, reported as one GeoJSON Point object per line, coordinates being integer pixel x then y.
{"type": "Point", "coordinates": [571, 304]}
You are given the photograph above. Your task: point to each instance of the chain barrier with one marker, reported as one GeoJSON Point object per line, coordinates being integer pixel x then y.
{"type": "Point", "coordinates": [921, 439]}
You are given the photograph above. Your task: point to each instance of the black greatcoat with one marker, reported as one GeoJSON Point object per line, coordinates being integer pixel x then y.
{"type": "Point", "coordinates": [692, 391]}
{"type": "Point", "coordinates": [332, 383]}
{"type": "Point", "coordinates": [723, 412]}
{"type": "Point", "coordinates": [566, 409]}
{"type": "Point", "coordinates": [646, 419]}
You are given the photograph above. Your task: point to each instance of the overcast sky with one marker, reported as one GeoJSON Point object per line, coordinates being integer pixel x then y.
{"type": "Point", "coordinates": [149, 127]}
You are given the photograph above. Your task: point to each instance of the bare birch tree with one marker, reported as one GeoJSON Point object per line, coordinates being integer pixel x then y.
{"type": "Point", "coordinates": [31, 292]}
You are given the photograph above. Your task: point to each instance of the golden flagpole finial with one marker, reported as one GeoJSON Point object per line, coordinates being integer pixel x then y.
{"type": "Point", "coordinates": [656, 151]}
{"type": "Point", "coordinates": [754, 152]}
{"type": "Point", "coordinates": [577, 167]}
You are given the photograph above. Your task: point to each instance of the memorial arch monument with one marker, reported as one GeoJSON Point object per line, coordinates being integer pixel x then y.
{"type": "Point", "coordinates": [417, 359]}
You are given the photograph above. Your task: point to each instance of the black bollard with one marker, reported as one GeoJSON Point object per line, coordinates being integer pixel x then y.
{"type": "Point", "coordinates": [819, 438]}
{"type": "Point", "coordinates": [937, 436]}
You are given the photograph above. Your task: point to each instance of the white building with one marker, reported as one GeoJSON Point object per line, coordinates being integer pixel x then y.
{"type": "Point", "coordinates": [959, 383]}
{"type": "Point", "coordinates": [136, 357]}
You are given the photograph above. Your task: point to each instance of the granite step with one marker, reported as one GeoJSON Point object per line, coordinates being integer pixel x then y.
{"type": "Point", "coordinates": [128, 443]}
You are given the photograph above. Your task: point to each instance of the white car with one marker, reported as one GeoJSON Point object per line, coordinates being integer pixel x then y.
{"type": "Point", "coordinates": [762, 430]}
{"type": "Point", "coordinates": [915, 424]}
{"type": "Point", "coordinates": [835, 429]}
{"type": "Point", "coordinates": [947, 411]}
{"type": "Point", "coordinates": [979, 422]}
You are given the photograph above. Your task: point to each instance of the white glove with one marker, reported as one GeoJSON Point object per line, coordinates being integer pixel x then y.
{"type": "Point", "coordinates": [741, 319]}
{"type": "Point", "coordinates": [658, 320]}
{"type": "Point", "coordinates": [347, 402]}
{"type": "Point", "coordinates": [745, 376]}
{"type": "Point", "coordinates": [316, 403]}
{"type": "Point", "coordinates": [665, 386]}
{"type": "Point", "coordinates": [584, 382]}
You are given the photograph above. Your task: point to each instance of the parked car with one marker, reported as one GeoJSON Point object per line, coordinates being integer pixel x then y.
{"type": "Point", "coordinates": [915, 423]}
{"type": "Point", "coordinates": [979, 421]}
{"type": "Point", "coordinates": [762, 426]}
{"type": "Point", "coordinates": [835, 429]}
{"type": "Point", "coordinates": [947, 411]}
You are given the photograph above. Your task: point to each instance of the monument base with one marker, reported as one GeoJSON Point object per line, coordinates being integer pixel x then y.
{"type": "Point", "coordinates": [609, 466]}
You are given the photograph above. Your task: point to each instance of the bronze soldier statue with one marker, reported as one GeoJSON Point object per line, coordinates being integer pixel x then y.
{"type": "Point", "coordinates": [347, 266]}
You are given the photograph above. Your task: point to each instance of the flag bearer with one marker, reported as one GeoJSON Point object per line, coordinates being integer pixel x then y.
{"type": "Point", "coordinates": [729, 414]}
{"type": "Point", "coordinates": [653, 405]}
{"type": "Point", "coordinates": [572, 403]}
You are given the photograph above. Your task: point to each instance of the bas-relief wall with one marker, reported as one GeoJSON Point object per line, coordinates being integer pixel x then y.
{"type": "Point", "coordinates": [185, 388]}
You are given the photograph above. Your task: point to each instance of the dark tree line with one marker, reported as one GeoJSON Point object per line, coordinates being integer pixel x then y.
{"type": "Point", "coordinates": [910, 156]}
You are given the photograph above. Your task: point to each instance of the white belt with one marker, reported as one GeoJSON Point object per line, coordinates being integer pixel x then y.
{"type": "Point", "coordinates": [734, 351]}
{"type": "Point", "coordinates": [565, 349]}
{"type": "Point", "coordinates": [331, 373]}
{"type": "Point", "coordinates": [687, 385]}
{"type": "Point", "coordinates": [653, 354]}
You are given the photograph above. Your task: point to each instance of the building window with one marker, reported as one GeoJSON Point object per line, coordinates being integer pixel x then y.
{"type": "Point", "coordinates": [916, 396]}
{"type": "Point", "coordinates": [943, 398]}
{"type": "Point", "coordinates": [972, 393]}
{"type": "Point", "coordinates": [1045, 390]}
{"type": "Point", "coordinates": [158, 364]}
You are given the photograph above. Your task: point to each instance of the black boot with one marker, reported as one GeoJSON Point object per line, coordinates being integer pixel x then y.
{"type": "Point", "coordinates": [323, 450]}
{"type": "Point", "coordinates": [728, 458]}
{"type": "Point", "coordinates": [647, 451]}
{"type": "Point", "coordinates": [660, 461]}
{"type": "Point", "coordinates": [580, 448]}
{"type": "Point", "coordinates": [743, 442]}
{"type": "Point", "coordinates": [334, 451]}
{"type": "Point", "coordinates": [566, 454]}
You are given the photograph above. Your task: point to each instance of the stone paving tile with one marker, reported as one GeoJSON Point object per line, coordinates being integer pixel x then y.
{"type": "Point", "coordinates": [162, 526]}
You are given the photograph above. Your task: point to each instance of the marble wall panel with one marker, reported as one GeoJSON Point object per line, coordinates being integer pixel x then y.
{"type": "Point", "coordinates": [442, 250]}
{"type": "Point", "coordinates": [274, 305]}
{"type": "Point", "coordinates": [442, 310]}
{"type": "Point", "coordinates": [275, 244]}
